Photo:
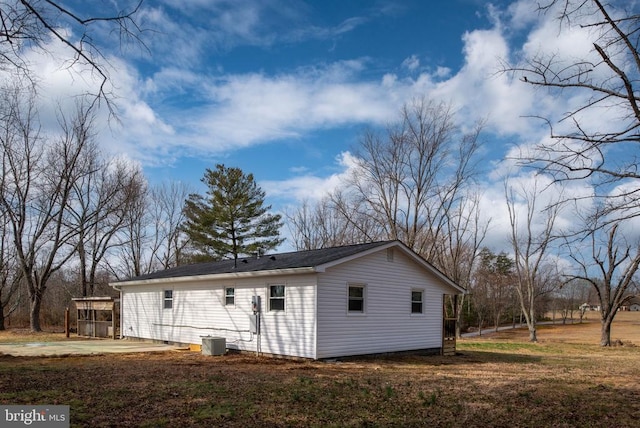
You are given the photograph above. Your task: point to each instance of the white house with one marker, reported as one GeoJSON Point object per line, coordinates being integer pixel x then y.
{"type": "Point", "coordinates": [361, 299]}
{"type": "Point", "coordinates": [632, 305]}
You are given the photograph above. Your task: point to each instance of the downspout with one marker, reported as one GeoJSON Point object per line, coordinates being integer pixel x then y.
{"type": "Point", "coordinates": [120, 320]}
{"type": "Point", "coordinates": [315, 321]}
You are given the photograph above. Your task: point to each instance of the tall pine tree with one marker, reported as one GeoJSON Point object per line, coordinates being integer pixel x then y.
{"type": "Point", "coordinates": [231, 220]}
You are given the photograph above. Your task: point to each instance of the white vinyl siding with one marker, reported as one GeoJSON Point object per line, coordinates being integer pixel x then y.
{"type": "Point", "coordinates": [199, 309]}
{"type": "Point", "coordinates": [387, 325]}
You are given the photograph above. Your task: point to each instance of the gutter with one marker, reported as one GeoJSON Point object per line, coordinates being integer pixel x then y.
{"type": "Point", "coordinates": [216, 276]}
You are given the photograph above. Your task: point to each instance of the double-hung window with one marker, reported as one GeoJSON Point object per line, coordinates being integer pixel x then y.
{"type": "Point", "coordinates": [276, 298]}
{"type": "Point", "coordinates": [416, 301]}
{"type": "Point", "coordinates": [229, 296]}
{"type": "Point", "coordinates": [356, 298]}
{"type": "Point", "coordinates": [168, 299]}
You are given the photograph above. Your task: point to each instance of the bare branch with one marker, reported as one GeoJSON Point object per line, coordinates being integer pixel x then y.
{"type": "Point", "coordinates": [26, 23]}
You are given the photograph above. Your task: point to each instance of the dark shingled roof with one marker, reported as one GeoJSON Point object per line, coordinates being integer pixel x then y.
{"type": "Point", "coordinates": [298, 259]}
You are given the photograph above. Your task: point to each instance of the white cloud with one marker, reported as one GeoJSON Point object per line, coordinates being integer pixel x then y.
{"type": "Point", "coordinates": [177, 44]}
{"type": "Point", "coordinates": [480, 91]}
{"type": "Point", "coordinates": [522, 14]}
{"type": "Point", "coordinates": [412, 63]}
{"type": "Point", "coordinates": [227, 112]}
{"type": "Point", "coordinates": [389, 80]}
{"type": "Point", "coordinates": [225, 24]}
{"type": "Point", "coordinates": [442, 72]}
{"type": "Point", "coordinates": [568, 41]}
{"type": "Point", "coordinates": [60, 84]}
{"type": "Point", "coordinates": [246, 109]}
{"type": "Point", "coordinates": [312, 187]}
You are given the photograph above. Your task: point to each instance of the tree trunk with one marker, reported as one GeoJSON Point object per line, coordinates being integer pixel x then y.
{"type": "Point", "coordinates": [459, 309]}
{"type": "Point", "coordinates": [34, 312]}
{"type": "Point", "coordinates": [605, 332]}
{"type": "Point", "coordinates": [531, 323]}
{"type": "Point", "coordinates": [1, 311]}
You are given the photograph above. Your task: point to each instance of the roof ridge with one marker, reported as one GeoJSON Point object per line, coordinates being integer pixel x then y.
{"type": "Point", "coordinates": [336, 247]}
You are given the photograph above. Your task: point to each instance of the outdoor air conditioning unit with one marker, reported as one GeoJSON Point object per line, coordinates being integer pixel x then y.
{"type": "Point", "coordinates": [214, 345]}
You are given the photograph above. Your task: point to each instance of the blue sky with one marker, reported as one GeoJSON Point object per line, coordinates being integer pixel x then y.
{"type": "Point", "coordinates": [284, 88]}
{"type": "Point", "coordinates": [291, 86]}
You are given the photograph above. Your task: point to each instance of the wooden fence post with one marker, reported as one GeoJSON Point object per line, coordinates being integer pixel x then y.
{"type": "Point", "coordinates": [66, 321]}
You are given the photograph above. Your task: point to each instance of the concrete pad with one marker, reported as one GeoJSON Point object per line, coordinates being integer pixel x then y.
{"type": "Point", "coordinates": [81, 347]}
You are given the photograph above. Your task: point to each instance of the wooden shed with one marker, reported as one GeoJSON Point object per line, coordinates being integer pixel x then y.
{"type": "Point", "coordinates": [97, 316]}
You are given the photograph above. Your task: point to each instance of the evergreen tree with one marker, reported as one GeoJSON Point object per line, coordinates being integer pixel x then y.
{"type": "Point", "coordinates": [231, 219]}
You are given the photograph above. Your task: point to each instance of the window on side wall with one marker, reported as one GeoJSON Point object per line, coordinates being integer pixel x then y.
{"type": "Point", "coordinates": [355, 302]}
{"type": "Point", "coordinates": [276, 298]}
{"type": "Point", "coordinates": [168, 299]}
{"type": "Point", "coordinates": [416, 301]}
{"type": "Point", "coordinates": [229, 296]}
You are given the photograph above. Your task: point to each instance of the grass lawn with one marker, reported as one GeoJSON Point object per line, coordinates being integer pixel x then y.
{"type": "Point", "coordinates": [500, 380]}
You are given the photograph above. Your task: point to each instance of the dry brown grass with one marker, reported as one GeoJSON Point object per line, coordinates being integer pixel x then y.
{"type": "Point", "coordinates": [626, 329]}
{"type": "Point", "coordinates": [24, 335]}
{"type": "Point", "coordinates": [565, 380]}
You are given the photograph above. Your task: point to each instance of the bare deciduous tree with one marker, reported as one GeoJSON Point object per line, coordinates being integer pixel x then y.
{"type": "Point", "coordinates": [532, 235]}
{"type": "Point", "coordinates": [493, 282]}
{"type": "Point", "coordinates": [569, 298]}
{"type": "Point", "coordinates": [99, 205]}
{"type": "Point", "coordinates": [152, 237]}
{"type": "Point", "coordinates": [610, 268]}
{"type": "Point", "coordinates": [130, 258]}
{"type": "Point", "coordinates": [35, 189]}
{"type": "Point", "coordinates": [412, 183]}
{"type": "Point", "coordinates": [10, 273]}
{"type": "Point", "coordinates": [411, 179]}
{"type": "Point", "coordinates": [606, 80]}
{"type": "Point", "coordinates": [169, 241]}
{"type": "Point", "coordinates": [601, 153]}
{"type": "Point", "coordinates": [326, 224]}
{"type": "Point", "coordinates": [462, 235]}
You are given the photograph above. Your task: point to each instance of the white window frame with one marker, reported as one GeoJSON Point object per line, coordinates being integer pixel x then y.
{"type": "Point", "coordinates": [227, 296]}
{"type": "Point", "coordinates": [167, 302]}
{"type": "Point", "coordinates": [421, 291]}
{"type": "Point", "coordinates": [283, 298]}
{"type": "Point", "coordinates": [364, 298]}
